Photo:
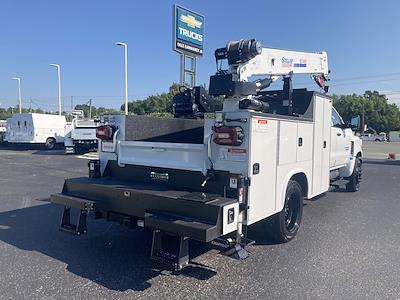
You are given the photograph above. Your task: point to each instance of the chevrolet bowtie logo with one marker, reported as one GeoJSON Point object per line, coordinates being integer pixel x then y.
{"type": "Point", "coordinates": [190, 21]}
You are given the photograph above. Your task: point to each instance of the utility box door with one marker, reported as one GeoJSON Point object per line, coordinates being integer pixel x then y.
{"type": "Point", "coordinates": [287, 142]}
{"type": "Point", "coordinates": [262, 167]}
{"type": "Point", "coordinates": [322, 144]}
{"type": "Point", "coordinates": [304, 141]}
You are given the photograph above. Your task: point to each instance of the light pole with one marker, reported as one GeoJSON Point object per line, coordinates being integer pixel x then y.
{"type": "Point", "coordinates": [125, 45]}
{"type": "Point", "coordinates": [59, 87]}
{"type": "Point", "coordinates": [19, 92]}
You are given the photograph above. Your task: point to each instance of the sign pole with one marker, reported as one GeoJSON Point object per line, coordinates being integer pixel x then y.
{"type": "Point", "coordinates": [182, 69]}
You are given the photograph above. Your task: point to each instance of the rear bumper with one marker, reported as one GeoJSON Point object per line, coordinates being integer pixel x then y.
{"type": "Point", "coordinates": [198, 216]}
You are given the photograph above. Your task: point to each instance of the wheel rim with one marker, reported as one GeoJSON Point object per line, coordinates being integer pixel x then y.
{"type": "Point", "coordinates": [292, 211]}
{"type": "Point", "coordinates": [50, 144]}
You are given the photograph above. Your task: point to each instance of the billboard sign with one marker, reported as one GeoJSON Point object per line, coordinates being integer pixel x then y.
{"type": "Point", "coordinates": [188, 34]}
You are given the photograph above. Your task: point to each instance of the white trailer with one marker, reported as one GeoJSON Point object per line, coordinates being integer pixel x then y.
{"type": "Point", "coordinates": [208, 180]}
{"type": "Point", "coordinates": [34, 128]}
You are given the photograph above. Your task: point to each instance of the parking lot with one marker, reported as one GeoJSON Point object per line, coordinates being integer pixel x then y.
{"type": "Point", "coordinates": [348, 246]}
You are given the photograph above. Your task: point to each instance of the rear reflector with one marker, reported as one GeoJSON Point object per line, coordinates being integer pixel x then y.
{"type": "Point", "coordinates": [228, 135]}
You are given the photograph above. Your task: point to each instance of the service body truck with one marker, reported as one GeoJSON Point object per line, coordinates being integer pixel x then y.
{"type": "Point", "coordinates": [82, 136]}
{"type": "Point", "coordinates": [208, 176]}
{"type": "Point", "coordinates": [34, 128]}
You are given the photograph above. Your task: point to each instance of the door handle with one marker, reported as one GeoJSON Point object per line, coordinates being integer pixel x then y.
{"type": "Point", "coordinates": [339, 134]}
{"type": "Point", "coordinates": [300, 141]}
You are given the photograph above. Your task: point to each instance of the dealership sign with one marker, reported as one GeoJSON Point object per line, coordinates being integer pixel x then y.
{"type": "Point", "coordinates": [188, 31]}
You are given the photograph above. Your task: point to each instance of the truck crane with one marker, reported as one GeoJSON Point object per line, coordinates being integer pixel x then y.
{"type": "Point", "coordinates": [208, 176]}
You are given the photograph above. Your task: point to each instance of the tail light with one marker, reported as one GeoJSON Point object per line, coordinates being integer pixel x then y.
{"type": "Point", "coordinates": [241, 194]}
{"type": "Point", "coordinates": [104, 132]}
{"type": "Point", "coordinates": [228, 135]}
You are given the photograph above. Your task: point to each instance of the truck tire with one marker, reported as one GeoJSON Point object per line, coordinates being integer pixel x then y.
{"type": "Point", "coordinates": [50, 143]}
{"type": "Point", "coordinates": [285, 224]}
{"type": "Point", "coordinates": [354, 180]}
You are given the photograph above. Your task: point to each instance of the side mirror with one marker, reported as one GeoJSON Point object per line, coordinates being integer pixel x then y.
{"type": "Point", "coordinates": [355, 123]}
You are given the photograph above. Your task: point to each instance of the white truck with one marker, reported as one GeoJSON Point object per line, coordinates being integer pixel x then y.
{"type": "Point", "coordinates": [3, 129]}
{"type": "Point", "coordinates": [34, 128]}
{"type": "Point", "coordinates": [371, 136]}
{"type": "Point", "coordinates": [209, 179]}
{"type": "Point", "coordinates": [82, 136]}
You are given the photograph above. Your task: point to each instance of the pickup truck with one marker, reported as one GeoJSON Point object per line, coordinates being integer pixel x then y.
{"type": "Point", "coordinates": [374, 137]}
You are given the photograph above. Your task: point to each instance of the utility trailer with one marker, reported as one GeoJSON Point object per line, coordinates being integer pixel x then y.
{"type": "Point", "coordinates": [34, 128]}
{"type": "Point", "coordinates": [208, 176]}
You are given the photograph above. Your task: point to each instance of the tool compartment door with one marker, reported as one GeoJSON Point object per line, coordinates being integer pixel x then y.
{"type": "Point", "coordinates": [322, 144]}
{"type": "Point", "coordinates": [262, 168]}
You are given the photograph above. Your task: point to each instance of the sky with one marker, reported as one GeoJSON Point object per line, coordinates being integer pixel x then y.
{"type": "Point", "coordinates": [362, 39]}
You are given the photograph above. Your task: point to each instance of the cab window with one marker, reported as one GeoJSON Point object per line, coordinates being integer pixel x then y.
{"type": "Point", "coordinates": [336, 119]}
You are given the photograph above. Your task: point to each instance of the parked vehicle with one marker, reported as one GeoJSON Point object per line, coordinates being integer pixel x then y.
{"type": "Point", "coordinates": [82, 136]}
{"type": "Point", "coordinates": [394, 136]}
{"type": "Point", "coordinates": [367, 136]}
{"type": "Point", "coordinates": [33, 128]}
{"type": "Point", "coordinates": [3, 124]}
{"type": "Point", "coordinates": [208, 176]}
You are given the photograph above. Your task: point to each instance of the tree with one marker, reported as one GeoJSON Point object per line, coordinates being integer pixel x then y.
{"type": "Point", "coordinates": [7, 113]}
{"type": "Point", "coordinates": [379, 114]}
{"type": "Point", "coordinates": [101, 111]}
{"type": "Point", "coordinates": [154, 104]}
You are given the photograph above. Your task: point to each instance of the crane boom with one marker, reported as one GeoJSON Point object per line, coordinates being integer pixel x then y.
{"type": "Point", "coordinates": [276, 62]}
{"type": "Point", "coordinates": [246, 58]}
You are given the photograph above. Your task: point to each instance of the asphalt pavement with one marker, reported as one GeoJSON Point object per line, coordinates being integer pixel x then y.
{"type": "Point", "coordinates": [348, 246]}
{"type": "Point", "coordinates": [380, 150]}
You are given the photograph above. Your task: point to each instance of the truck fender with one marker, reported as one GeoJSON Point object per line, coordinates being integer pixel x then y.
{"type": "Point", "coordinates": [347, 170]}
{"type": "Point", "coordinates": [304, 185]}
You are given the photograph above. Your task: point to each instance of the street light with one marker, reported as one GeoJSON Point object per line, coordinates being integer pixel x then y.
{"type": "Point", "coordinates": [19, 92]}
{"type": "Point", "coordinates": [126, 73]}
{"type": "Point", "coordinates": [59, 87]}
